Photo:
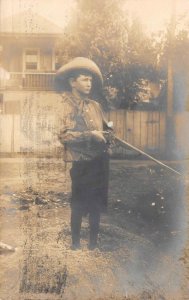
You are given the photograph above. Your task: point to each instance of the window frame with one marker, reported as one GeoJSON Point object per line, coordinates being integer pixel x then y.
{"type": "Point", "coordinates": [25, 61]}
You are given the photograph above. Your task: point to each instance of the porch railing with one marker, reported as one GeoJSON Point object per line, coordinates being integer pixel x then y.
{"type": "Point", "coordinates": [29, 81]}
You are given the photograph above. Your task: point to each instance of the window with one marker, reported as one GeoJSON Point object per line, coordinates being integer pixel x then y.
{"type": "Point", "coordinates": [31, 59]}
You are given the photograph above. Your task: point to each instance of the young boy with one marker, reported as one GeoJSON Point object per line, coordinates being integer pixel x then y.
{"type": "Point", "coordinates": [85, 145]}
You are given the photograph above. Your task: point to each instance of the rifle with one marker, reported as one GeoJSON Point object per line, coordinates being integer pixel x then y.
{"type": "Point", "coordinates": [126, 145]}
{"type": "Point", "coordinates": [112, 139]}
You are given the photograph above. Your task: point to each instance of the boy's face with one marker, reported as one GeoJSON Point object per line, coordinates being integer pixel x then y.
{"type": "Point", "coordinates": [82, 84]}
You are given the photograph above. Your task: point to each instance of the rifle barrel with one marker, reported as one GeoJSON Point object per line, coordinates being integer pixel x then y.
{"type": "Point", "coordinates": [124, 144]}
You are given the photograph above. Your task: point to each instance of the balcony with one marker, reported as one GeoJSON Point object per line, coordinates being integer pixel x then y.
{"type": "Point", "coordinates": [28, 81]}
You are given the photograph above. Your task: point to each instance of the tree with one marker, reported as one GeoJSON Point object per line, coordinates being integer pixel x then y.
{"type": "Point", "coordinates": [100, 30]}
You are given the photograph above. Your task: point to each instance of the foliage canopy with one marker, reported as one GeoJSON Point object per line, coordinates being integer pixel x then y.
{"type": "Point", "coordinates": [102, 31]}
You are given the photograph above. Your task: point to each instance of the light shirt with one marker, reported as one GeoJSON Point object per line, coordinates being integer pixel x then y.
{"type": "Point", "coordinates": [77, 119]}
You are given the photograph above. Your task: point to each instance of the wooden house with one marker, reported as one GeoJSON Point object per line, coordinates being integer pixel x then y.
{"type": "Point", "coordinates": [28, 58]}
{"type": "Point", "coordinates": [28, 63]}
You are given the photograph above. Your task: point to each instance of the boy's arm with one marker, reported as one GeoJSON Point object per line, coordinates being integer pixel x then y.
{"type": "Point", "coordinates": [78, 136]}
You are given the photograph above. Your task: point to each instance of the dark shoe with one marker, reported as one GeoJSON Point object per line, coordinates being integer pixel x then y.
{"type": "Point", "coordinates": [93, 246]}
{"type": "Point", "coordinates": [75, 246]}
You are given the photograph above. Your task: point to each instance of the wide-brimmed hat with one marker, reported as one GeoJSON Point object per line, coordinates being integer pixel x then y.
{"type": "Point", "coordinates": [78, 64]}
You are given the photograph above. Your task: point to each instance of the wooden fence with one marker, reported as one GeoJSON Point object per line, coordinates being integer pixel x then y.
{"type": "Point", "coordinates": [145, 130]}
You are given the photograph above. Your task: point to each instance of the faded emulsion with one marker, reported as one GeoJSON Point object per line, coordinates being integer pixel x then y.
{"type": "Point", "coordinates": [94, 150]}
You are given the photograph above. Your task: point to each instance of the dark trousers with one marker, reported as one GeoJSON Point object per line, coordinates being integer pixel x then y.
{"type": "Point", "coordinates": [76, 220]}
{"type": "Point", "coordinates": [89, 195]}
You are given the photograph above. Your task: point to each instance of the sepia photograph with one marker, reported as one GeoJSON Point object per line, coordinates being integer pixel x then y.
{"type": "Point", "coordinates": [94, 150]}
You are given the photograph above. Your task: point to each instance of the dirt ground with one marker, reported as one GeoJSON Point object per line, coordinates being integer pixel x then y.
{"type": "Point", "coordinates": [143, 249]}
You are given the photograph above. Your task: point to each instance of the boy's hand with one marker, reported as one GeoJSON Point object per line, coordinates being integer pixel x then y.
{"type": "Point", "coordinates": [109, 136]}
{"type": "Point", "coordinates": [98, 136]}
